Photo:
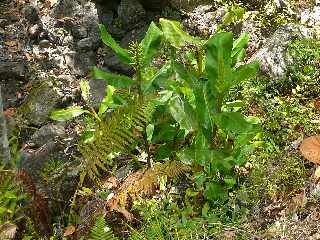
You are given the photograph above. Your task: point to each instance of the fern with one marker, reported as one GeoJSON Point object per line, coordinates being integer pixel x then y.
{"type": "Point", "coordinates": [144, 183]}
{"type": "Point", "coordinates": [118, 134]}
{"type": "Point", "coordinates": [101, 231]}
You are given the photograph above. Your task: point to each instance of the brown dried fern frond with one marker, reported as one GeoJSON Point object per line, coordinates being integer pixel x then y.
{"type": "Point", "coordinates": [40, 214]}
{"type": "Point", "coordinates": [144, 183]}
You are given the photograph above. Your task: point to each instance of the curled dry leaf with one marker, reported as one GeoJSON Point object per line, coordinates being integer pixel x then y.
{"type": "Point", "coordinates": [310, 149]}
{"type": "Point", "coordinates": [317, 103]}
{"type": "Point", "coordinates": [69, 230]}
{"type": "Point", "coordinates": [8, 231]}
{"type": "Point", "coordinates": [317, 174]}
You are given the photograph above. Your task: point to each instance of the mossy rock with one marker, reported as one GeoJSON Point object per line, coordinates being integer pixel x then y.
{"type": "Point", "coordinates": [40, 102]}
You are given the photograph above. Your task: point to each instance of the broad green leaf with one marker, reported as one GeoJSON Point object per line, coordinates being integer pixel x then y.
{"type": "Point", "coordinates": [158, 79]}
{"type": "Point", "coordinates": [242, 73]}
{"type": "Point", "coordinates": [164, 132]}
{"type": "Point", "coordinates": [118, 81]}
{"type": "Point", "coordinates": [235, 124]}
{"type": "Point", "coordinates": [151, 43]}
{"type": "Point", "coordinates": [183, 113]}
{"type": "Point", "coordinates": [107, 39]}
{"type": "Point", "coordinates": [107, 100]}
{"type": "Point", "coordinates": [218, 68]}
{"type": "Point", "coordinates": [68, 113]}
{"type": "Point", "coordinates": [164, 151]}
{"type": "Point", "coordinates": [238, 51]}
{"type": "Point", "coordinates": [174, 33]}
{"type": "Point", "coordinates": [197, 86]}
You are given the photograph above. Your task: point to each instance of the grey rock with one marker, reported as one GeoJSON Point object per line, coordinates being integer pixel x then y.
{"type": "Point", "coordinates": [135, 35]}
{"type": "Point", "coordinates": [273, 57]}
{"type": "Point", "coordinates": [34, 161]}
{"type": "Point", "coordinates": [85, 44]}
{"type": "Point", "coordinates": [3, 22]}
{"type": "Point", "coordinates": [68, 41]}
{"type": "Point", "coordinates": [188, 5]}
{"type": "Point", "coordinates": [106, 17]}
{"type": "Point", "coordinates": [80, 63]}
{"type": "Point", "coordinates": [130, 12]}
{"type": "Point", "coordinates": [97, 92]}
{"type": "Point", "coordinates": [12, 69]}
{"type": "Point", "coordinates": [154, 4]}
{"type": "Point", "coordinates": [66, 8]}
{"type": "Point", "coordinates": [47, 133]}
{"type": "Point", "coordinates": [31, 13]}
{"type": "Point", "coordinates": [40, 102]}
{"type": "Point", "coordinates": [203, 20]}
{"type": "Point", "coordinates": [79, 32]}
{"type": "Point", "coordinates": [44, 43]}
{"type": "Point", "coordinates": [35, 31]}
{"type": "Point", "coordinates": [113, 63]}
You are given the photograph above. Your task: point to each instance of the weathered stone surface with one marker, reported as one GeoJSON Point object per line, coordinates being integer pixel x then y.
{"type": "Point", "coordinates": [80, 63]}
{"type": "Point", "coordinates": [40, 102]}
{"type": "Point", "coordinates": [85, 43]}
{"type": "Point", "coordinates": [273, 57]}
{"type": "Point", "coordinates": [31, 13]}
{"type": "Point", "coordinates": [188, 5]}
{"type": "Point", "coordinates": [130, 12]}
{"type": "Point", "coordinates": [47, 133]}
{"type": "Point", "coordinates": [154, 4]}
{"type": "Point", "coordinates": [4, 144]}
{"type": "Point", "coordinates": [97, 92]}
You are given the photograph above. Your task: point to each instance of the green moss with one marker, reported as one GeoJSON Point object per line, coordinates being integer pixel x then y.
{"type": "Point", "coordinates": [288, 178]}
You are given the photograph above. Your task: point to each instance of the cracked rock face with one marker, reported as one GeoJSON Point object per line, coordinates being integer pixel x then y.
{"type": "Point", "coordinates": [273, 56]}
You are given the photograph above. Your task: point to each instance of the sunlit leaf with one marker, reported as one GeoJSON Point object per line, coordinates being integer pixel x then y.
{"type": "Point", "coordinates": [150, 43]}
{"type": "Point", "coordinates": [68, 113]}
{"type": "Point", "coordinates": [118, 81]}
{"type": "Point", "coordinates": [107, 39]}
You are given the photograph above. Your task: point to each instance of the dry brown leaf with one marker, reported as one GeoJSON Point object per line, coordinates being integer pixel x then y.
{"type": "Point", "coordinates": [317, 174]}
{"type": "Point", "coordinates": [8, 231]}
{"type": "Point", "coordinates": [310, 149]}
{"type": "Point", "coordinates": [297, 202]}
{"type": "Point", "coordinates": [52, 2]}
{"type": "Point", "coordinates": [28, 56]}
{"type": "Point", "coordinates": [11, 43]}
{"type": "Point", "coordinates": [317, 103]}
{"type": "Point", "coordinates": [69, 230]}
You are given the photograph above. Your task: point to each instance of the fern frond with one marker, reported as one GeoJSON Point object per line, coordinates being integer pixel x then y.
{"type": "Point", "coordinates": [101, 231]}
{"type": "Point", "coordinates": [118, 134]}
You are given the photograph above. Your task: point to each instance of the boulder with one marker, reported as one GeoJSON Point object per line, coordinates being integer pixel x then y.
{"type": "Point", "coordinates": [130, 12]}
{"type": "Point", "coordinates": [39, 103]}
{"type": "Point", "coordinates": [273, 56]}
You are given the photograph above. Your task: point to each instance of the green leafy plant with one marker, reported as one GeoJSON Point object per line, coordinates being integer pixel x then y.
{"type": "Point", "coordinates": [197, 101]}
